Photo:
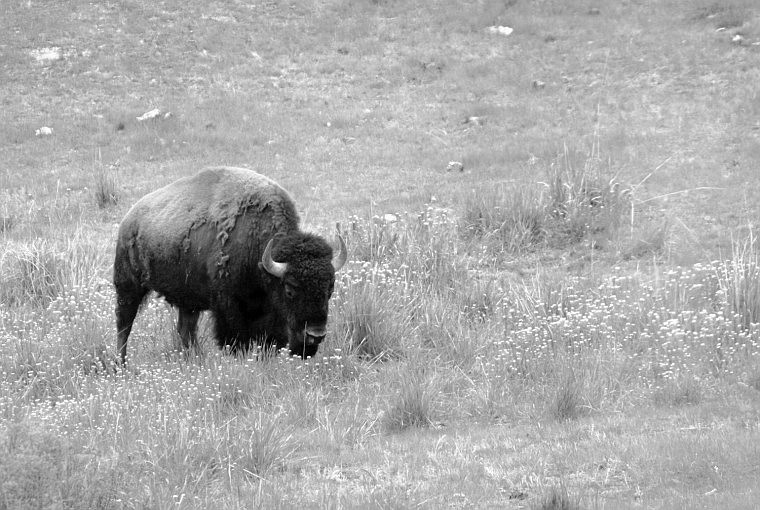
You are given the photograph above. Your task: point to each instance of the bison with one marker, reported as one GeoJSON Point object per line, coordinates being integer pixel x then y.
{"type": "Point", "coordinates": [226, 240]}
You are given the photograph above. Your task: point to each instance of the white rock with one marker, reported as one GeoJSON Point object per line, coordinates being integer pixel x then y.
{"type": "Point", "coordinates": [455, 166]}
{"type": "Point", "coordinates": [43, 131]}
{"type": "Point", "coordinates": [476, 120]}
{"type": "Point", "coordinates": [47, 54]}
{"type": "Point", "coordinates": [390, 218]}
{"type": "Point", "coordinates": [500, 30]}
{"type": "Point", "coordinates": [152, 114]}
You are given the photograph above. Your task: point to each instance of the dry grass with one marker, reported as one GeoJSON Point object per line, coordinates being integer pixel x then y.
{"type": "Point", "coordinates": [518, 334]}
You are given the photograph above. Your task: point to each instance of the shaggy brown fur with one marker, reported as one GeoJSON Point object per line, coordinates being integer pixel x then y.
{"type": "Point", "coordinates": [199, 242]}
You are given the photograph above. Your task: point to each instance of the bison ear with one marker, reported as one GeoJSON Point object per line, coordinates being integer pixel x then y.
{"type": "Point", "coordinates": [270, 266]}
{"type": "Point", "coordinates": [339, 259]}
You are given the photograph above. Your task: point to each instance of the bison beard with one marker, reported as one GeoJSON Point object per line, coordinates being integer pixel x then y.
{"type": "Point", "coordinates": [226, 240]}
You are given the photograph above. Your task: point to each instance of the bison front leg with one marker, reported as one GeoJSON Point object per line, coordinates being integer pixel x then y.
{"type": "Point", "coordinates": [231, 330]}
{"type": "Point", "coordinates": [187, 327]}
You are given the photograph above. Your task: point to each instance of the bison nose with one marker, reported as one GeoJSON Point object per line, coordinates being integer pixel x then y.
{"type": "Point", "coordinates": [314, 340]}
{"type": "Point", "coordinates": [315, 334]}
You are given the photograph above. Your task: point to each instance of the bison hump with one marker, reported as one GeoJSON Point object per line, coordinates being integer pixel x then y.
{"type": "Point", "coordinates": [216, 198]}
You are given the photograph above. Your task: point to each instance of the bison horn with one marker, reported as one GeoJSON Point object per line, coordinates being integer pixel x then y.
{"type": "Point", "coordinates": [274, 268]}
{"type": "Point", "coordinates": [340, 258]}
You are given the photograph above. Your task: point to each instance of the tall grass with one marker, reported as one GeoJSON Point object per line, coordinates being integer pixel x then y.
{"type": "Point", "coordinates": [418, 339]}
{"type": "Point", "coordinates": [557, 498]}
{"type": "Point", "coordinates": [501, 346]}
{"type": "Point", "coordinates": [511, 219]}
{"type": "Point", "coordinates": [106, 189]}
{"type": "Point", "coordinates": [414, 404]}
{"type": "Point", "coordinates": [40, 270]}
{"type": "Point", "coordinates": [584, 197]}
{"type": "Point", "coordinates": [580, 200]}
{"type": "Point", "coordinates": [739, 282]}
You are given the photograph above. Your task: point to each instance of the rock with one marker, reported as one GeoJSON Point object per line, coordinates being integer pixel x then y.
{"type": "Point", "coordinates": [44, 131]}
{"type": "Point", "coordinates": [47, 55]}
{"type": "Point", "coordinates": [500, 30]}
{"type": "Point", "coordinates": [152, 114]}
{"type": "Point", "coordinates": [738, 39]}
{"type": "Point", "coordinates": [455, 166]}
{"type": "Point", "coordinates": [538, 84]}
{"type": "Point", "coordinates": [476, 120]}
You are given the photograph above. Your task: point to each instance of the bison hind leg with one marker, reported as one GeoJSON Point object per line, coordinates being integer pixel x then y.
{"type": "Point", "coordinates": [128, 301]}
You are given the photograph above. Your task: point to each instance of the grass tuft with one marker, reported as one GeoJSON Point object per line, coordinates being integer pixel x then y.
{"type": "Point", "coordinates": [583, 199]}
{"type": "Point", "coordinates": [413, 404]}
{"type": "Point", "coordinates": [32, 272]}
{"type": "Point", "coordinates": [739, 281]}
{"type": "Point", "coordinates": [681, 391]}
{"type": "Point", "coordinates": [510, 219]}
{"type": "Point", "coordinates": [372, 240]}
{"type": "Point", "coordinates": [567, 402]}
{"type": "Point", "coordinates": [106, 192]}
{"type": "Point", "coordinates": [557, 498]}
{"type": "Point", "coordinates": [265, 443]}
{"type": "Point", "coordinates": [44, 470]}
{"type": "Point", "coordinates": [646, 242]}
{"type": "Point", "coordinates": [6, 223]}
{"type": "Point", "coordinates": [373, 320]}
{"type": "Point", "coordinates": [40, 270]}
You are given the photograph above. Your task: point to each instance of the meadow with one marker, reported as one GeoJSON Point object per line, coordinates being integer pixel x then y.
{"type": "Point", "coordinates": [567, 318]}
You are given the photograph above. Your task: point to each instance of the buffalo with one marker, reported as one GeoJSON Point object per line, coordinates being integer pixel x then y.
{"type": "Point", "coordinates": [226, 240]}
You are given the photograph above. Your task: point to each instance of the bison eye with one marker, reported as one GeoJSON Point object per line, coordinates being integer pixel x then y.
{"type": "Point", "coordinates": [290, 291]}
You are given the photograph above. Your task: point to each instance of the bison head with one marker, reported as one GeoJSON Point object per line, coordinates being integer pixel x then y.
{"type": "Point", "coordinates": [303, 267]}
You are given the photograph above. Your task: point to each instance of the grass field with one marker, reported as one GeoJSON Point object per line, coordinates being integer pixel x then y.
{"type": "Point", "coordinates": [570, 321]}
